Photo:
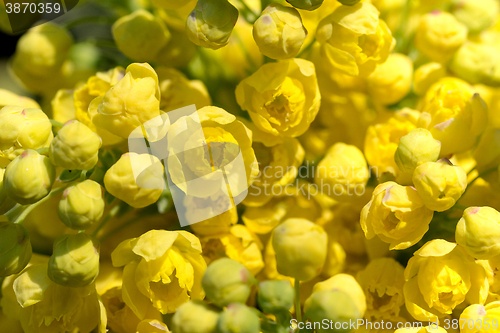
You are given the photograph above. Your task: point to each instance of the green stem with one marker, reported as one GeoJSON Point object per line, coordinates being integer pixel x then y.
{"type": "Point", "coordinates": [55, 123]}
{"type": "Point", "coordinates": [254, 16]}
{"type": "Point", "coordinates": [471, 170]}
{"type": "Point", "coordinates": [30, 208]}
{"type": "Point", "coordinates": [306, 49]}
{"type": "Point", "coordinates": [14, 211]}
{"type": "Point", "coordinates": [298, 310]}
{"type": "Point", "coordinates": [43, 151]}
{"type": "Point", "coordinates": [112, 213]}
{"type": "Point", "coordinates": [401, 44]}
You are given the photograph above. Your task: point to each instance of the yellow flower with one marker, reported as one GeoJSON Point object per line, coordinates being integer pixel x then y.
{"type": "Point", "coordinates": [279, 32]}
{"type": "Point", "coordinates": [161, 267]}
{"type": "Point", "coordinates": [439, 277]}
{"type": "Point", "coordinates": [427, 329]}
{"type": "Point", "coordinates": [21, 129]}
{"type": "Point", "coordinates": [9, 98]}
{"type": "Point", "coordinates": [382, 281]}
{"type": "Point", "coordinates": [478, 318]}
{"type": "Point", "coordinates": [282, 98]}
{"type": "Point", "coordinates": [457, 115]}
{"type": "Point", "coordinates": [415, 148]}
{"type": "Point", "coordinates": [132, 101]}
{"type": "Point", "coordinates": [439, 184]}
{"type": "Point", "coordinates": [439, 35]}
{"type": "Point", "coordinates": [391, 81]}
{"type": "Point", "coordinates": [135, 179]}
{"type": "Point", "coordinates": [492, 266]}
{"type": "Point", "coordinates": [475, 61]}
{"type": "Point", "coordinates": [426, 75]}
{"type": "Point", "coordinates": [344, 170]}
{"type": "Point", "coordinates": [354, 40]}
{"type": "Point", "coordinates": [397, 215]}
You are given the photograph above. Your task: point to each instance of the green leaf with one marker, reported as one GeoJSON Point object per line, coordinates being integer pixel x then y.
{"type": "Point", "coordinates": [69, 175]}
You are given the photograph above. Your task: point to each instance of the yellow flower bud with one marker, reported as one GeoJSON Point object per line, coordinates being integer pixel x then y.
{"type": "Point", "coordinates": [476, 62]}
{"type": "Point", "coordinates": [227, 281]}
{"type": "Point", "coordinates": [478, 232]}
{"type": "Point", "coordinates": [82, 205]}
{"type": "Point", "coordinates": [9, 98]}
{"type": "Point", "coordinates": [476, 15]}
{"type": "Point", "coordinates": [344, 170]}
{"type": "Point", "coordinates": [131, 102]}
{"type": "Point", "coordinates": [306, 4]}
{"type": "Point", "coordinates": [23, 129]}
{"type": "Point", "coordinates": [238, 318]}
{"type": "Point", "coordinates": [479, 318]}
{"type": "Point", "coordinates": [426, 75]}
{"type": "Point", "coordinates": [15, 248]}
{"type": "Point", "coordinates": [279, 32]}
{"type": "Point", "coordinates": [211, 23]}
{"type": "Point", "coordinates": [439, 184]}
{"type": "Point", "coordinates": [354, 40]}
{"type": "Point", "coordinates": [29, 177]}
{"type": "Point", "coordinates": [74, 261]}
{"type": "Point", "coordinates": [75, 147]}
{"type": "Point", "coordinates": [391, 81]}
{"type": "Point", "coordinates": [439, 35]}
{"type": "Point", "coordinates": [415, 148]}
{"type": "Point", "coordinates": [275, 296]}
{"type": "Point", "coordinates": [439, 277]}
{"type": "Point", "coordinates": [301, 248]}
{"type": "Point", "coordinates": [124, 178]}
{"type": "Point", "coordinates": [140, 35]}
{"type": "Point", "coordinates": [195, 317]}
{"type": "Point", "coordinates": [397, 215]}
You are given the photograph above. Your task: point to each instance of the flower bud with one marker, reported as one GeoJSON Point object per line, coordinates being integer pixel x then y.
{"type": "Point", "coordinates": [140, 35]}
{"type": "Point", "coordinates": [279, 32]}
{"type": "Point", "coordinates": [334, 305]}
{"type": "Point", "coordinates": [426, 75]}
{"type": "Point", "coordinates": [82, 205]}
{"type": "Point", "coordinates": [439, 184]}
{"type": "Point", "coordinates": [195, 317]}
{"type": "Point", "coordinates": [238, 318]}
{"type": "Point", "coordinates": [415, 148]}
{"type": "Point", "coordinates": [476, 62]}
{"type": "Point", "coordinates": [75, 147]}
{"type": "Point", "coordinates": [22, 129]}
{"type": "Point", "coordinates": [227, 281]}
{"type": "Point", "coordinates": [476, 15]}
{"type": "Point", "coordinates": [306, 4]}
{"type": "Point", "coordinates": [74, 261]}
{"type": "Point", "coordinates": [211, 23]}
{"type": "Point", "coordinates": [301, 248]}
{"type": "Point", "coordinates": [275, 296]}
{"type": "Point", "coordinates": [349, 2]}
{"type": "Point", "coordinates": [15, 248]}
{"type": "Point", "coordinates": [439, 35]}
{"type": "Point", "coordinates": [478, 232]}
{"type": "Point", "coordinates": [29, 177]}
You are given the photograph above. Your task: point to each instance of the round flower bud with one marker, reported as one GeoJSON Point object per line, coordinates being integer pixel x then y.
{"type": "Point", "coordinates": [195, 317]}
{"type": "Point", "coordinates": [439, 35]}
{"type": "Point", "coordinates": [238, 318]}
{"type": "Point", "coordinates": [74, 261]}
{"type": "Point", "coordinates": [82, 205]}
{"type": "Point", "coordinates": [29, 177]}
{"type": "Point", "coordinates": [415, 148]}
{"type": "Point", "coordinates": [476, 63]}
{"type": "Point", "coordinates": [301, 248]}
{"type": "Point", "coordinates": [478, 232]}
{"type": "Point", "coordinates": [15, 248]}
{"type": "Point", "coordinates": [22, 129]}
{"type": "Point", "coordinates": [275, 296]}
{"type": "Point", "coordinates": [140, 35]}
{"type": "Point", "coordinates": [476, 15]}
{"type": "Point", "coordinates": [306, 4]}
{"type": "Point", "coordinates": [75, 147]}
{"type": "Point", "coordinates": [279, 32]}
{"type": "Point", "coordinates": [335, 305]}
{"type": "Point", "coordinates": [426, 75]}
{"type": "Point", "coordinates": [439, 184]}
{"type": "Point", "coordinates": [211, 23]}
{"type": "Point", "coordinates": [227, 281]}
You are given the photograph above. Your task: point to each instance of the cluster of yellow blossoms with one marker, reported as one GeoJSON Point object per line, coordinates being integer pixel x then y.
{"type": "Point", "coordinates": [370, 140]}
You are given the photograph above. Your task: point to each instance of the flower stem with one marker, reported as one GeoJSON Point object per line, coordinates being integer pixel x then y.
{"type": "Point", "coordinates": [30, 208]}
{"type": "Point", "coordinates": [298, 310]}
{"type": "Point", "coordinates": [55, 123]}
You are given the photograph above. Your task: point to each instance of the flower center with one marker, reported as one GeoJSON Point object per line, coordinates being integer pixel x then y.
{"type": "Point", "coordinates": [284, 104]}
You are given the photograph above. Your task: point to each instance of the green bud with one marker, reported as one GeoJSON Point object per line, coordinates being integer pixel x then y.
{"type": "Point", "coordinates": [29, 177]}
{"type": "Point", "coordinates": [349, 2]}
{"type": "Point", "coordinates": [82, 205]}
{"type": "Point", "coordinates": [195, 317]}
{"type": "Point", "coordinates": [306, 4]}
{"type": "Point", "coordinates": [238, 318]}
{"type": "Point", "coordinates": [75, 147]}
{"type": "Point", "coordinates": [15, 248]}
{"type": "Point", "coordinates": [415, 148]}
{"type": "Point", "coordinates": [74, 261]}
{"type": "Point", "coordinates": [275, 296]}
{"type": "Point", "coordinates": [334, 305]}
{"type": "Point", "coordinates": [227, 281]}
{"type": "Point", "coordinates": [211, 23]}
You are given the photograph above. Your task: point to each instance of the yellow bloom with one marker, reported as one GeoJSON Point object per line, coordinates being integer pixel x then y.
{"type": "Point", "coordinates": [382, 281]}
{"type": "Point", "coordinates": [161, 267]}
{"type": "Point", "coordinates": [426, 75]}
{"type": "Point", "coordinates": [481, 319]}
{"type": "Point", "coordinates": [282, 98]}
{"type": "Point", "coordinates": [397, 215]}
{"type": "Point", "coordinates": [439, 277]}
{"type": "Point", "coordinates": [354, 40]}
{"type": "Point", "coordinates": [132, 101]}
{"type": "Point", "coordinates": [9, 98]}
{"type": "Point", "coordinates": [492, 266]}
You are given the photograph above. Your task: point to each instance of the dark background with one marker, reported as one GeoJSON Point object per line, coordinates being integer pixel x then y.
{"type": "Point", "coordinates": [8, 44]}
